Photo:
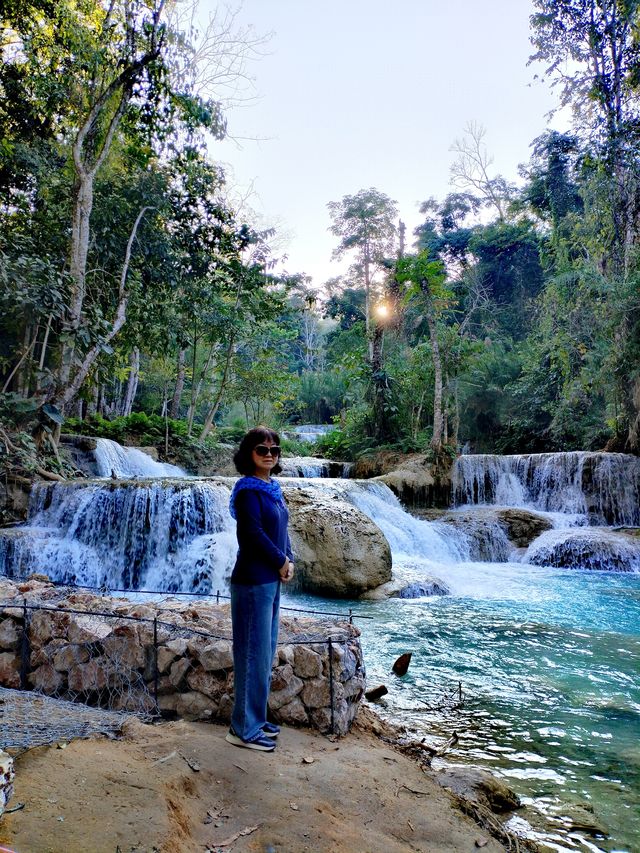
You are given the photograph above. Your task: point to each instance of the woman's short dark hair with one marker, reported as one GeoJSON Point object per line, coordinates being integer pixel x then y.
{"type": "Point", "coordinates": [243, 459]}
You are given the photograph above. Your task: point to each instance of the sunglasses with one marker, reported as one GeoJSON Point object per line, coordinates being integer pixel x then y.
{"type": "Point", "coordinates": [263, 450]}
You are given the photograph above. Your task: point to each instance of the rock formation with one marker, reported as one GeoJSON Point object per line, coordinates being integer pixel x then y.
{"type": "Point", "coordinates": [339, 551]}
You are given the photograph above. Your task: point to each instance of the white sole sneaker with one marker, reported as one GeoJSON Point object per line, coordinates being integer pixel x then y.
{"type": "Point", "coordinates": [259, 743]}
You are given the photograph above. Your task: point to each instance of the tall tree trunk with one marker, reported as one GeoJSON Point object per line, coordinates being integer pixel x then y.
{"type": "Point", "coordinates": [118, 322]}
{"type": "Point", "coordinates": [192, 402]}
{"type": "Point", "coordinates": [382, 428]}
{"type": "Point", "coordinates": [213, 410]}
{"type": "Point", "coordinates": [367, 302]}
{"type": "Point", "coordinates": [436, 440]}
{"type": "Point", "coordinates": [418, 416]}
{"type": "Point", "coordinates": [45, 342]}
{"type": "Point", "coordinates": [132, 383]}
{"type": "Point", "coordinates": [80, 230]}
{"type": "Point", "coordinates": [23, 374]}
{"type": "Point", "coordinates": [456, 414]}
{"type": "Point", "coordinates": [174, 411]}
{"type": "Point", "coordinates": [197, 389]}
{"type": "Point", "coordinates": [92, 405]}
{"type": "Point", "coordinates": [89, 153]}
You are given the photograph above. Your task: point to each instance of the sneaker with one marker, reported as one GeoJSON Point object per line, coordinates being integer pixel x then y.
{"type": "Point", "coordinates": [259, 741]}
{"type": "Point", "coordinates": [271, 730]}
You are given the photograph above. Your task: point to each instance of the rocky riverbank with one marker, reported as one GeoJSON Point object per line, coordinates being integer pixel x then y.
{"type": "Point", "coordinates": [180, 787]}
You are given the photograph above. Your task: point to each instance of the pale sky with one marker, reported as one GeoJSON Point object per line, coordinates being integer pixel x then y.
{"type": "Point", "coordinates": [359, 93]}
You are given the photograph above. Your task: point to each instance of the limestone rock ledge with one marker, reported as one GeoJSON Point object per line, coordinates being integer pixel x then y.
{"type": "Point", "coordinates": [76, 652]}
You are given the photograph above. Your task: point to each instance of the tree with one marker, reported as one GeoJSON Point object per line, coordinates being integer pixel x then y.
{"type": "Point", "coordinates": [591, 52]}
{"type": "Point", "coordinates": [366, 225]}
{"type": "Point", "coordinates": [428, 287]}
{"type": "Point", "coordinates": [470, 171]}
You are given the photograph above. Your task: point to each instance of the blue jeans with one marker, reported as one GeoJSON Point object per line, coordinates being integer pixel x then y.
{"type": "Point", "coordinates": [255, 611]}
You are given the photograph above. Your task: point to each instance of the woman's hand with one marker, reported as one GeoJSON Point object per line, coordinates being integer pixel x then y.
{"type": "Point", "coordinates": [286, 571]}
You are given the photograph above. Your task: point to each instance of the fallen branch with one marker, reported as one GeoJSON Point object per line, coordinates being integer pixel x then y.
{"type": "Point", "coordinates": [453, 740]}
{"type": "Point", "coordinates": [488, 821]}
{"type": "Point", "coordinates": [411, 791]}
{"type": "Point", "coordinates": [49, 475]}
{"type": "Point", "coordinates": [246, 831]}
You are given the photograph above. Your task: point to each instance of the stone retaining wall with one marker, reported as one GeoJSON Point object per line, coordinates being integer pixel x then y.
{"type": "Point", "coordinates": [118, 662]}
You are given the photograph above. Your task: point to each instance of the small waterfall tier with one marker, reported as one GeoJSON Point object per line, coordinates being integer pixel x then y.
{"type": "Point", "coordinates": [592, 548]}
{"type": "Point", "coordinates": [603, 487]}
{"type": "Point", "coordinates": [308, 432]}
{"type": "Point", "coordinates": [309, 466]}
{"type": "Point", "coordinates": [173, 536]}
{"type": "Point", "coordinates": [114, 460]}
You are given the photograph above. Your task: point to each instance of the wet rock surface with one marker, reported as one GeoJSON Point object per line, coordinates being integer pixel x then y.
{"type": "Point", "coordinates": [479, 786]}
{"type": "Point", "coordinates": [598, 549]}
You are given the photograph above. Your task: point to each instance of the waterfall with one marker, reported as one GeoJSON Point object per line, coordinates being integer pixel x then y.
{"type": "Point", "coordinates": [412, 540]}
{"type": "Point", "coordinates": [113, 460]}
{"type": "Point", "coordinates": [170, 536]}
{"type": "Point", "coordinates": [176, 534]}
{"type": "Point", "coordinates": [309, 433]}
{"type": "Point", "coordinates": [604, 487]}
{"type": "Point", "coordinates": [310, 466]}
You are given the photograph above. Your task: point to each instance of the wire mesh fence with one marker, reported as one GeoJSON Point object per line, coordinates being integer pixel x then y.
{"type": "Point", "coordinates": [29, 719]}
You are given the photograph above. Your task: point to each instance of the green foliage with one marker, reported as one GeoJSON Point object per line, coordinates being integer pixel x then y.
{"type": "Point", "coordinates": [137, 429]}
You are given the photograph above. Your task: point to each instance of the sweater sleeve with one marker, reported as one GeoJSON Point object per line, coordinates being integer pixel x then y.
{"type": "Point", "coordinates": [251, 533]}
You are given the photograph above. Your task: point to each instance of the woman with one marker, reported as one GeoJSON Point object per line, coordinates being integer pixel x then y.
{"type": "Point", "coordinates": [264, 560]}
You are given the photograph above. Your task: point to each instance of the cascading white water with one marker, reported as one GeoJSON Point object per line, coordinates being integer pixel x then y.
{"type": "Point", "coordinates": [304, 466]}
{"type": "Point", "coordinates": [179, 536]}
{"type": "Point", "coordinates": [419, 548]}
{"type": "Point", "coordinates": [309, 466]}
{"type": "Point", "coordinates": [604, 487]}
{"type": "Point", "coordinates": [176, 536]}
{"type": "Point", "coordinates": [114, 460]}
{"type": "Point", "coordinates": [309, 433]}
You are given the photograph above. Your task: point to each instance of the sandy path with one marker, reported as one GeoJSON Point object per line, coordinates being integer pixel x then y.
{"type": "Point", "coordinates": [140, 794]}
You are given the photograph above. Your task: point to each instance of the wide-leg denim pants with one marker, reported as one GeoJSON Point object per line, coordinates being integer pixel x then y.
{"type": "Point", "coordinates": [255, 611]}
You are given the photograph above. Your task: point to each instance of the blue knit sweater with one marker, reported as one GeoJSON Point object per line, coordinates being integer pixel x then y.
{"type": "Point", "coordinates": [263, 539]}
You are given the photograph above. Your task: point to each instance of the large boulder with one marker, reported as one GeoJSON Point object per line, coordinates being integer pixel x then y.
{"type": "Point", "coordinates": [493, 531]}
{"type": "Point", "coordinates": [523, 526]}
{"type": "Point", "coordinates": [417, 481]}
{"type": "Point", "coordinates": [339, 551]}
{"type": "Point", "coordinates": [401, 587]}
{"type": "Point", "coordinates": [80, 451]}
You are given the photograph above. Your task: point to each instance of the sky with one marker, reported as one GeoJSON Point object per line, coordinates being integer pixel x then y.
{"type": "Point", "coordinates": [351, 94]}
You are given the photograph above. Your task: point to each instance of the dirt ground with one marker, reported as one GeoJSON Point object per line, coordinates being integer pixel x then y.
{"type": "Point", "coordinates": [179, 787]}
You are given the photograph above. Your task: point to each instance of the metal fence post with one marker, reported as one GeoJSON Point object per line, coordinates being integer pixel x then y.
{"type": "Point", "coordinates": [333, 722]}
{"type": "Point", "coordinates": [25, 650]}
{"type": "Point", "coordinates": [155, 663]}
